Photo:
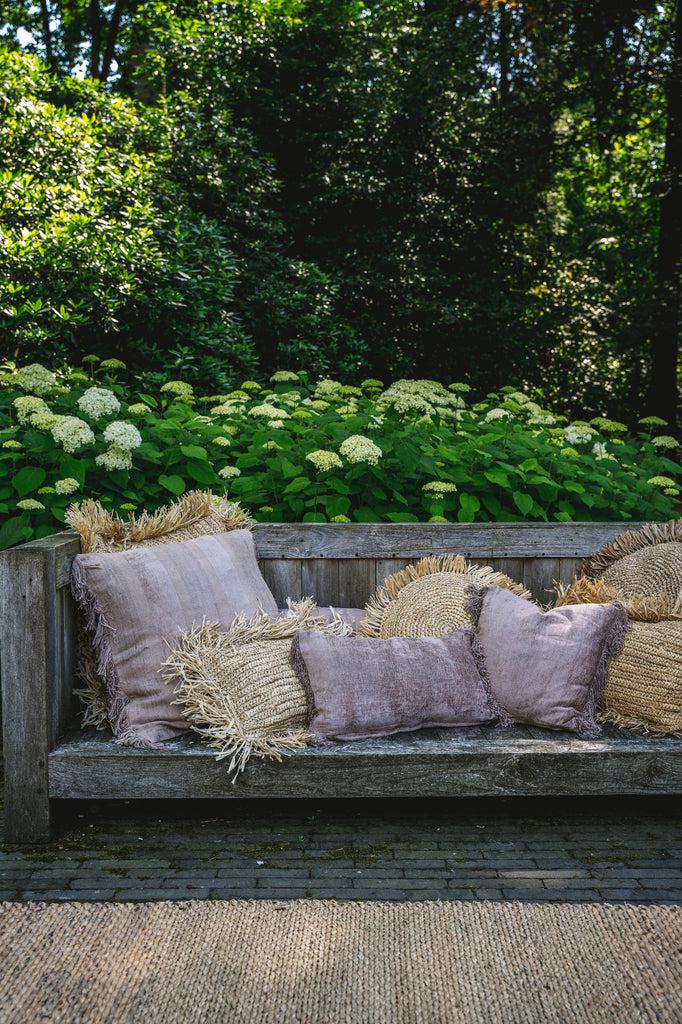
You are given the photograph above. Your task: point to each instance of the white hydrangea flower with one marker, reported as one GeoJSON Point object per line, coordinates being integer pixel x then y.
{"type": "Point", "coordinates": [113, 364]}
{"type": "Point", "coordinates": [138, 409]}
{"type": "Point", "coordinates": [271, 446]}
{"type": "Point", "coordinates": [115, 458]}
{"type": "Point", "coordinates": [284, 377]}
{"type": "Point", "coordinates": [30, 504]}
{"type": "Point", "coordinates": [228, 472]}
{"type": "Point", "coordinates": [27, 405]}
{"type": "Point", "coordinates": [665, 441]}
{"type": "Point", "coordinates": [340, 519]}
{"type": "Point", "coordinates": [424, 396]}
{"type": "Point", "coordinates": [324, 460]}
{"type": "Point", "coordinates": [225, 409]}
{"type": "Point", "coordinates": [357, 448]}
{"type": "Point", "coordinates": [67, 486]}
{"type": "Point", "coordinates": [98, 403]}
{"type": "Point", "coordinates": [577, 434]}
{"type": "Point", "coordinates": [36, 379]}
{"type": "Point", "coordinates": [276, 424]}
{"type": "Point", "coordinates": [44, 420]}
{"type": "Point", "coordinates": [661, 481]}
{"type": "Point", "coordinates": [519, 398]}
{"type": "Point", "coordinates": [269, 411]}
{"type": "Point", "coordinates": [459, 386]}
{"type": "Point", "coordinates": [180, 388]}
{"type": "Point", "coordinates": [72, 433]}
{"type": "Point", "coordinates": [496, 414]}
{"type": "Point", "coordinates": [542, 419]}
{"type": "Point", "coordinates": [222, 442]}
{"type": "Point", "coordinates": [120, 434]}
{"type": "Point", "coordinates": [601, 452]}
{"type": "Point", "coordinates": [12, 444]}
{"type": "Point", "coordinates": [327, 388]}
{"type": "Point", "coordinates": [439, 487]}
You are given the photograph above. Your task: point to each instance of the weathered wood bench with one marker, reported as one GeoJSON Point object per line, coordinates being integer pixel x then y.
{"type": "Point", "coordinates": [47, 757]}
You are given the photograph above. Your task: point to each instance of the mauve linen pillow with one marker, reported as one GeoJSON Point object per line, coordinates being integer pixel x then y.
{"type": "Point", "coordinates": [135, 603]}
{"type": "Point", "coordinates": [360, 688]}
{"type": "Point", "coordinates": [548, 668]}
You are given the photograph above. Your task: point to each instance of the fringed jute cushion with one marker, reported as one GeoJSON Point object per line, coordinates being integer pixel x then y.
{"type": "Point", "coordinates": [195, 514]}
{"type": "Point", "coordinates": [643, 688]}
{"type": "Point", "coordinates": [237, 688]}
{"type": "Point", "coordinates": [428, 598]}
{"type": "Point", "coordinates": [646, 563]}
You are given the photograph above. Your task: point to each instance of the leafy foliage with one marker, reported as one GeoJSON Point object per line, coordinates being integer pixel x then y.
{"type": "Point", "coordinates": [315, 452]}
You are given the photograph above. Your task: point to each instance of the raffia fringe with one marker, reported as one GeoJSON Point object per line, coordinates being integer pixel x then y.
{"type": "Point", "coordinates": [206, 703]}
{"type": "Point", "coordinates": [630, 541]}
{"type": "Point", "coordinates": [95, 524]}
{"type": "Point", "coordinates": [585, 590]}
{"type": "Point", "coordinates": [483, 575]}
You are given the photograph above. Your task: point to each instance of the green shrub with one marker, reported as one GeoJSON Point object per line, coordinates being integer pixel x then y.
{"type": "Point", "coordinates": [315, 452]}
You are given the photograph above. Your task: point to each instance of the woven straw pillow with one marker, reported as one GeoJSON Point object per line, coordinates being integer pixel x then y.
{"type": "Point", "coordinates": [195, 514]}
{"type": "Point", "coordinates": [429, 598]}
{"type": "Point", "coordinates": [238, 688]}
{"type": "Point", "coordinates": [643, 688]}
{"type": "Point", "coordinates": [644, 563]}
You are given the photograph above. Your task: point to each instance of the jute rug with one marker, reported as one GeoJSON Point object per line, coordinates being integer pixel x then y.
{"type": "Point", "coordinates": [340, 963]}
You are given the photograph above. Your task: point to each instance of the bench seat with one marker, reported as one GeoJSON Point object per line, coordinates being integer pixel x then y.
{"type": "Point", "coordinates": [484, 761]}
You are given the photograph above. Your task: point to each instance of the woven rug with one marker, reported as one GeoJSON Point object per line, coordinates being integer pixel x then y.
{"type": "Point", "coordinates": [352, 963]}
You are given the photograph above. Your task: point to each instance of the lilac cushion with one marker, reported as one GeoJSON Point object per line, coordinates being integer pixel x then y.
{"type": "Point", "coordinates": [136, 602]}
{"type": "Point", "coordinates": [360, 688]}
{"type": "Point", "coordinates": [548, 668]}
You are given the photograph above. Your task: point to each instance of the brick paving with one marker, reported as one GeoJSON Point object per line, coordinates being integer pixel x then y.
{"type": "Point", "coordinates": [610, 850]}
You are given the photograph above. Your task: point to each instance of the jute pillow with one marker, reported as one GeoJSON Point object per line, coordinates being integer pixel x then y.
{"type": "Point", "coordinates": [429, 598]}
{"type": "Point", "coordinates": [646, 563]}
{"type": "Point", "coordinates": [195, 514]}
{"type": "Point", "coordinates": [643, 688]}
{"type": "Point", "coordinates": [237, 688]}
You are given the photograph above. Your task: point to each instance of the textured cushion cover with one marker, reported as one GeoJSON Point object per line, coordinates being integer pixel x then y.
{"type": "Point", "coordinates": [644, 563]}
{"type": "Point", "coordinates": [136, 602]}
{"type": "Point", "coordinates": [644, 686]}
{"type": "Point", "coordinates": [547, 668]}
{"type": "Point", "coordinates": [360, 688]}
{"type": "Point", "coordinates": [238, 687]}
{"type": "Point", "coordinates": [428, 598]}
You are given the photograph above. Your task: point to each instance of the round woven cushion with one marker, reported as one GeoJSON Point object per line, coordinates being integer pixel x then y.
{"type": "Point", "coordinates": [430, 606]}
{"type": "Point", "coordinates": [650, 572]}
{"type": "Point", "coordinates": [644, 685]}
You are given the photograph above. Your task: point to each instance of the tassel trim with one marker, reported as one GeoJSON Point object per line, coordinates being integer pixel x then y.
{"type": "Point", "coordinates": [630, 541]}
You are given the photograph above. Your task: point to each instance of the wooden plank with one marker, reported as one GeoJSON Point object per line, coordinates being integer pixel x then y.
{"type": "Point", "coordinates": [386, 567]}
{"type": "Point", "coordinates": [29, 660]}
{"type": "Point", "coordinates": [357, 581]}
{"type": "Point", "coordinates": [283, 576]}
{"type": "Point", "coordinates": [418, 764]}
{"type": "Point", "coordinates": [514, 568]}
{"type": "Point", "coordinates": [414, 540]}
{"type": "Point", "coordinates": [539, 575]}
{"type": "Point", "coordinates": [320, 579]}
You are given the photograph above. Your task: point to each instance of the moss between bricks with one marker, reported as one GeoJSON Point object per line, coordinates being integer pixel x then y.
{"type": "Point", "coordinates": [357, 854]}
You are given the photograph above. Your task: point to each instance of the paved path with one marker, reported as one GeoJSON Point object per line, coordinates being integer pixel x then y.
{"type": "Point", "coordinates": [558, 850]}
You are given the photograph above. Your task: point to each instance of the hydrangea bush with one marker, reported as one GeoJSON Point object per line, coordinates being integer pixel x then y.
{"type": "Point", "coordinates": [317, 451]}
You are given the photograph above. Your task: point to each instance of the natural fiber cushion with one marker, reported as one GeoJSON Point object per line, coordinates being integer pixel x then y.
{"type": "Point", "coordinates": [644, 684]}
{"type": "Point", "coordinates": [195, 514]}
{"type": "Point", "coordinates": [428, 598]}
{"type": "Point", "coordinates": [364, 688]}
{"type": "Point", "coordinates": [644, 563]}
{"type": "Point", "coordinates": [643, 688]}
{"type": "Point", "coordinates": [135, 602]}
{"type": "Point", "coordinates": [238, 689]}
{"type": "Point", "coordinates": [548, 668]}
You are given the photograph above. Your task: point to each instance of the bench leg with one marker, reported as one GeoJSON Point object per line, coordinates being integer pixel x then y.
{"type": "Point", "coordinates": [28, 817]}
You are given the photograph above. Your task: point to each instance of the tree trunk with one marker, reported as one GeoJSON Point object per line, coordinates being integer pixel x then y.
{"type": "Point", "coordinates": [95, 37]}
{"type": "Point", "coordinates": [47, 35]}
{"type": "Point", "coordinates": [505, 53]}
{"type": "Point", "coordinates": [663, 393]}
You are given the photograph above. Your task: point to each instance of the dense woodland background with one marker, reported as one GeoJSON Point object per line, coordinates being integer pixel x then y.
{"type": "Point", "coordinates": [483, 191]}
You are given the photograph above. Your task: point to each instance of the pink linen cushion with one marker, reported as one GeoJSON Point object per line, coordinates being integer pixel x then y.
{"type": "Point", "coordinates": [137, 602]}
{"type": "Point", "coordinates": [361, 688]}
{"type": "Point", "coordinates": [547, 668]}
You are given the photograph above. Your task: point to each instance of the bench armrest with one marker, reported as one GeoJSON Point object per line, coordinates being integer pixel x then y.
{"type": "Point", "coordinates": [37, 644]}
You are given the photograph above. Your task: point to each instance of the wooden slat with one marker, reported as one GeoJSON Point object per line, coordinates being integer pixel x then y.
{"type": "Point", "coordinates": [283, 576]}
{"type": "Point", "coordinates": [413, 540]}
{"type": "Point", "coordinates": [539, 575]}
{"type": "Point", "coordinates": [386, 567]}
{"type": "Point", "coordinates": [486, 763]}
{"type": "Point", "coordinates": [320, 579]}
{"type": "Point", "coordinates": [357, 581]}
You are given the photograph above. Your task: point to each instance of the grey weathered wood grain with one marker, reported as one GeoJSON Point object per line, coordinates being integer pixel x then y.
{"type": "Point", "coordinates": [283, 576]}
{"type": "Point", "coordinates": [357, 581]}
{"type": "Point", "coordinates": [413, 540]}
{"type": "Point", "coordinates": [420, 765]}
{"type": "Point", "coordinates": [33, 657]}
{"type": "Point", "coordinates": [320, 579]}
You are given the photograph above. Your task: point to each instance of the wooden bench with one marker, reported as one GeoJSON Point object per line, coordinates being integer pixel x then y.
{"type": "Point", "coordinates": [47, 757]}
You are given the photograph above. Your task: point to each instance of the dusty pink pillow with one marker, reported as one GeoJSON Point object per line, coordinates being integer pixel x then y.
{"type": "Point", "coordinates": [360, 688]}
{"type": "Point", "coordinates": [136, 602]}
{"type": "Point", "coordinates": [547, 668]}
